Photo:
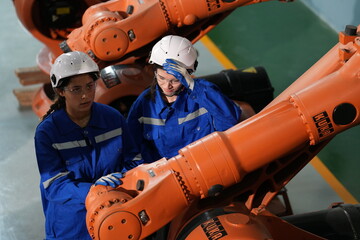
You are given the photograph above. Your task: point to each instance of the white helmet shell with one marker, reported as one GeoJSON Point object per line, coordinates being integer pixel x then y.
{"type": "Point", "coordinates": [174, 47]}
{"type": "Point", "coordinates": [71, 64]}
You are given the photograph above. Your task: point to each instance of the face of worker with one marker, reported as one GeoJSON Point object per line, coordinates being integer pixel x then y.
{"type": "Point", "coordinates": [79, 93]}
{"type": "Point", "coordinates": [167, 82]}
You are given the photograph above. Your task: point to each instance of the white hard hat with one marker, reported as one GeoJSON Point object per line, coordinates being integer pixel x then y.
{"type": "Point", "coordinates": [71, 64]}
{"type": "Point", "coordinates": [174, 47]}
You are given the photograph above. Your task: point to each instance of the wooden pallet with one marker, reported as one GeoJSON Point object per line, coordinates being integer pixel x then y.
{"type": "Point", "coordinates": [25, 95]}
{"type": "Point", "coordinates": [28, 77]}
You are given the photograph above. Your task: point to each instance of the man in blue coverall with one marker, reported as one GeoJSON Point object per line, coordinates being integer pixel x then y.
{"type": "Point", "coordinates": [177, 110]}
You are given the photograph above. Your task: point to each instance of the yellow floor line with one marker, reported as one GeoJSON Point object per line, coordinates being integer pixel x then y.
{"type": "Point", "coordinates": [344, 194]}
{"type": "Point", "coordinates": [315, 162]}
{"type": "Point", "coordinates": [215, 51]}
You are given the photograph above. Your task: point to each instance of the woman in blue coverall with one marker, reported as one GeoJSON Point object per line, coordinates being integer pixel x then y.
{"type": "Point", "coordinates": [177, 110]}
{"type": "Point", "coordinates": [78, 143]}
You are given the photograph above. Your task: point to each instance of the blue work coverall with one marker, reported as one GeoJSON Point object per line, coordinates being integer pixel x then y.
{"type": "Point", "coordinates": [160, 130]}
{"type": "Point", "coordinates": [71, 159]}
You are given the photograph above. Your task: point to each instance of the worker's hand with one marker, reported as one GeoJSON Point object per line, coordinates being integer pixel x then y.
{"type": "Point", "coordinates": [112, 180]}
{"type": "Point", "coordinates": [178, 70]}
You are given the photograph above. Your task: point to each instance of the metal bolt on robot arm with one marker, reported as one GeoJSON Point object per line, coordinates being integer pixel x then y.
{"type": "Point", "coordinates": [217, 187]}
{"type": "Point", "coordinates": [113, 29]}
{"type": "Point", "coordinates": [231, 176]}
{"type": "Point", "coordinates": [116, 34]}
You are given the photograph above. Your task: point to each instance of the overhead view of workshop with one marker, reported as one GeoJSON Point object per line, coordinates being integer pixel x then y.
{"type": "Point", "coordinates": [180, 120]}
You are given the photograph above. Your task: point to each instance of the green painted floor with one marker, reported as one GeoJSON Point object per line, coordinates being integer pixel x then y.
{"type": "Point", "coordinates": [287, 38]}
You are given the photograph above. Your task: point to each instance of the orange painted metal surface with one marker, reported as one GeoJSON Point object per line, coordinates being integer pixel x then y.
{"type": "Point", "coordinates": [238, 171]}
{"type": "Point", "coordinates": [113, 29]}
{"type": "Point", "coordinates": [115, 32]}
{"type": "Point", "coordinates": [244, 166]}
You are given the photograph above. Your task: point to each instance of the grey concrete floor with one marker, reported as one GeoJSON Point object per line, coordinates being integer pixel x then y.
{"type": "Point", "coordinates": [21, 216]}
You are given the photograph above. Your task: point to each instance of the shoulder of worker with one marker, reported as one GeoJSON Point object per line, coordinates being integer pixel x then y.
{"type": "Point", "coordinates": [105, 116]}
{"type": "Point", "coordinates": [204, 83]}
{"type": "Point", "coordinates": [201, 86]}
{"type": "Point", "coordinates": [144, 97]}
{"type": "Point", "coordinates": [49, 125]}
{"type": "Point", "coordinates": [105, 110]}
{"type": "Point", "coordinates": [49, 121]}
{"type": "Point", "coordinates": [144, 94]}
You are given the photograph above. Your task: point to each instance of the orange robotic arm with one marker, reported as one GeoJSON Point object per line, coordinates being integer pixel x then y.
{"type": "Point", "coordinates": [117, 31]}
{"type": "Point", "coordinates": [249, 163]}
{"type": "Point", "coordinates": [121, 31]}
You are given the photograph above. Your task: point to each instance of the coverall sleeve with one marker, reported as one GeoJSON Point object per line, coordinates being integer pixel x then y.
{"type": "Point", "coordinates": [225, 112]}
{"type": "Point", "coordinates": [57, 182]}
{"type": "Point", "coordinates": [132, 155]}
{"type": "Point", "coordinates": [147, 148]}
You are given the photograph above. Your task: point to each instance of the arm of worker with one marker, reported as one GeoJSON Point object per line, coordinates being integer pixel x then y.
{"type": "Point", "coordinates": [225, 112]}
{"type": "Point", "coordinates": [179, 71]}
{"type": "Point", "coordinates": [132, 152]}
{"type": "Point", "coordinates": [129, 158]}
{"type": "Point", "coordinates": [136, 123]}
{"type": "Point", "coordinates": [58, 183]}
{"type": "Point", "coordinates": [112, 180]}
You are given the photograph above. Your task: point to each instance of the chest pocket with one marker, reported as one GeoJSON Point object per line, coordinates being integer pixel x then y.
{"type": "Point", "coordinates": [110, 145]}
{"type": "Point", "coordinates": [151, 133]}
{"type": "Point", "coordinates": [74, 160]}
{"type": "Point", "coordinates": [196, 128]}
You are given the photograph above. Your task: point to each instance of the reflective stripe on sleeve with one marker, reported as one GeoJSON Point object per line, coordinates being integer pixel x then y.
{"type": "Point", "coordinates": [68, 145]}
{"type": "Point", "coordinates": [137, 157]}
{"type": "Point", "coordinates": [152, 121]}
{"type": "Point", "coordinates": [108, 135]}
{"type": "Point", "coordinates": [193, 115]}
{"type": "Point", "coordinates": [48, 182]}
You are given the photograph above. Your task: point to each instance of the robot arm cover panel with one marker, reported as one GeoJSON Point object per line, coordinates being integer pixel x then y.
{"type": "Point", "coordinates": [223, 159]}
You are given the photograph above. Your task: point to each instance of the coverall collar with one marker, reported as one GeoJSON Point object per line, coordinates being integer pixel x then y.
{"type": "Point", "coordinates": [178, 104]}
{"type": "Point", "coordinates": [97, 120]}
{"type": "Point", "coordinates": [66, 125]}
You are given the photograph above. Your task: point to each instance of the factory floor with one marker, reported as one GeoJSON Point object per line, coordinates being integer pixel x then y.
{"type": "Point", "coordinates": [21, 216]}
